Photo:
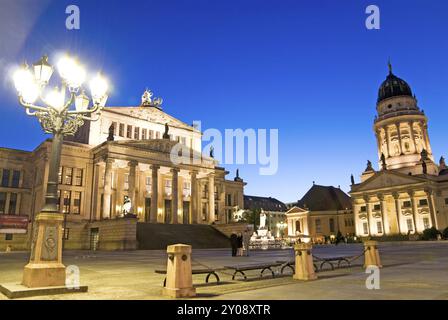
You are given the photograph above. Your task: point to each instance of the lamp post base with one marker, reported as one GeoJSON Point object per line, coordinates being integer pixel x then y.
{"type": "Point", "coordinates": [45, 268]}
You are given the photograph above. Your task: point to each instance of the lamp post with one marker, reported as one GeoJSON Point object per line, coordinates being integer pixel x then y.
{"type": "Point", "coordinates": [57, 117]}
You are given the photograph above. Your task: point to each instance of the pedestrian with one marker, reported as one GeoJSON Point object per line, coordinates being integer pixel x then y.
{"type": "Point", "coordinates": [234, 243]}
{"type": "Point", "coordinates": [240, 245]}
{"type": "Point", "coordinates": [246, 241]}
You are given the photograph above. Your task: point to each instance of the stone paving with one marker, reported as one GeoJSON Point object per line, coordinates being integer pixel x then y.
{"type": "Point", "coordinates": [412, 270]}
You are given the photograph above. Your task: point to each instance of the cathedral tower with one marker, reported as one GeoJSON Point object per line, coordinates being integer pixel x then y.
{"type": "Point", "coordinates": [401, 129]}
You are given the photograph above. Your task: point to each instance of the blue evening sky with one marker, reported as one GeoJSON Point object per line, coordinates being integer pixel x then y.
{"type": "Point", "coordinates": [307, 68]}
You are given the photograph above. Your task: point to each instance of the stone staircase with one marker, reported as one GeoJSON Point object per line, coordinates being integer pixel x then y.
{"type": "Point", "coordinates": [157, 236]}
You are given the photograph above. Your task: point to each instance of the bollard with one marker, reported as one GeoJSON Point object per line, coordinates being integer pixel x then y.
{"type": "Point", "coordinates": [371, 254]}
{"type": "Point", "coordinates": [304, 262]}
{"type": "Point", "coordinates": [179, 282]}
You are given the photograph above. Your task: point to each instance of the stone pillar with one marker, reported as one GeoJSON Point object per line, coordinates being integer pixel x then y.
{"type": "Point", "coordinates": [132, 179]}
{"type": "Point", "coordinates": [357, 220]}
{"type": "Point", "coordinates": [371, 254]}
{"type": "Point", "coordinates": [388, 141]}
{"type": "Point", "coordinates": [411, 194]}
{"type": "Point", "coordinates": [396, 196]}
{"type": "Point", "coordinates": [397, 126]}
{"type": "Point", "coordinates": [425, 137]}
{"type": "Point", "coordinates": [96, 192]}
{"type": "Point", "coordinates": [384, 220]}
{"type": "Point", "coordinates": [369, 214]}
{"type": "Point", "coordinates": [304, 269]}
{"type": "Point", "coordinates": [429, 194]}
{"type": "Point", "coordinates": [379, 142]}
{"type": "Point", "coordinates": [211, 198]}
{"type": "Point", "coordinates": [194, 197]}
{"type": "Point", "coordinates": [175, 195]}
{"type": "Point", "coordinates": [411, 131]}
{"type": "Point", "coordinates": [179, 280]}
{"type": "Point", "coordinates": [154, 193]}
{"type": "Point", "coordinates": [107, 188]}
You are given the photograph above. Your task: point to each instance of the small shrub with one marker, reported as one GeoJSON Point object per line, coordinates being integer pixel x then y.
{"type": "Point", "coordinates": [445, 234]}
{"type": "Point", "coordinates": [430, 234]}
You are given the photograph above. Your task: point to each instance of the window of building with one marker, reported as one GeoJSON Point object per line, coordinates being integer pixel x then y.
{"type": "Point", "coordinates": [150, 134]}
{"type": "Point", "coordinates": [379, 227]}
{"type": "Point", "coordinates": [8, 237]}
{"type": "Point", "coordinates": [406, 204]}
{"type": "Point", "coordinates": [126, 181]}
{"type": "Point", "coordinates": [12, 203]}
{"type": "Point", "coordinates": [148, 184]}
{"type": "Point", "coordinates": [204, 212]}
{"type": "Point", "coordinates": [318, 226]}
{"type": "Point", "coordinates": [205, 191]}
{"type": "Point", "coordinates": [66, 201]}
{"type": "Point", "coordinates": [216, 192]}
{"type": "Point", "coordinates": [187, 188]}
{"type": "Point", "coordinates": [157, 135]}
{"type": "Point", "coordinates": [426, 223]}
{"type": "Point", "coordinates": [5, 178]}
{"type": "Point", "coordinates": [362, 209]}
{"type": "Point", "coordinates": [137, 133]}
{"type": "Point", "coordinates": [77, 173]}
{"type": "Point", "coordinates": [410, 224]}
{"type": "Point", "coordinates": [365, 228]}
{"type": "Point", "coordinates": [229, 199]}
{"type": "Point", "coordinates": [66, 233]}
{"type": "Point", "coordinates": [129, 132]}
{"type": "Point", "coordinates": [377, 207]}
{"type": "Point", "coordinates": [331, 225]}
{"type": "Point", "coordinates": [143, 134]}
{"type": "Point", "coordinates": [183, 141]}
{"type": "Point", "coordinates": [121, 130]}
{"type": "Point", "coordinates": [423, 202]}
{"type": "Point", "coordinates": [15, 179]}
{"type": "Point", "coordinates": [76, 202]}
{"type": "Point", "coordinates": [2, 202]}
{"type": "Point", "coordinates": [298, 229]}
{"type": "Point", "coordinates": [168, 184]}
{"type": "Point", "coordinates": [59, 175]}
{"type": "Point", "coordinates": [68, 176]}
{"type": "Point", "coordinates": [114, 124]}
{"type": "Point", "coordinates": [58, 205]}
{"type": "Point", "coordinates": [446, 201]}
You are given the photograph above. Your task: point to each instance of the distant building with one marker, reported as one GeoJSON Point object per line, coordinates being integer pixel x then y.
{"type": "Point", "coordinates": [273, 208]}
{"type": "Point", "coordinates": [322, 212]}
{"type": "Point", "coordinates": [409, 192]}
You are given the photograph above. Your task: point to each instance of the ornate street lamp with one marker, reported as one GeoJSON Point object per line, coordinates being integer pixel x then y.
{"type": "Point", "coordinates": [61, 112]}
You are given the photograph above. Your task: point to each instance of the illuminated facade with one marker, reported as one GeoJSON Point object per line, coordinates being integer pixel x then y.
{"type": "Point", "coordinates": [409, 192]}
{"type": "Point", "coordinates": [124, 155]}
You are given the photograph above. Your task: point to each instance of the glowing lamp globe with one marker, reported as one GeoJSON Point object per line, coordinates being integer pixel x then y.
{"type": "Point", "coordinates": [42, 70]}
{"type": "Point", "coordinates": [72, 73]}
{"type": "Point", "coordinates": [56, 99]}
{"type": "Point", "coordinates": [82, 102]}
{"type": "Point", "coordinates": [98, 89]}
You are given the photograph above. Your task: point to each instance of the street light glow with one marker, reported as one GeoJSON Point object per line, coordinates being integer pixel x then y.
{"type": "Point", "coordinates": [98, 89]}
{"type": "Point", "coordinates": [71, 71]}
{"type": "Point", "coordinates": [56, 99]}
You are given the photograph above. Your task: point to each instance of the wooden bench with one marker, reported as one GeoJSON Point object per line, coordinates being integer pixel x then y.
{"type": "Point", "coordinates": [330, 260]}
{"type": "Point", "coordinates": [239, 269]}
{"type": "Point", "coordinates": [208, 272]}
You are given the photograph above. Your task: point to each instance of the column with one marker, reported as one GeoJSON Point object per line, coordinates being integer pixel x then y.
{"type": "Point", "coordinates": [396, 196]}
{"type": "Point", "coordinates": [397, 126]}
{"type": "Point", "coordinates": [426, 137]}
{"type": "Point", "coordinates": [211, 198]}
{"type": "Point", "coordinates": [379, 142]}
{"type": "Point", "coordinates": [386, 227]}
{"type": "Point", "coordinates": [429, 194]}
{"type": "Point", "coordinates": [369, 214]}
{"type": "Point", "coordinates": [107, 188]}
{"type": "Point", "coordinates": [411, 194]}
{"type": "Point", "coordinates": [411, 131]}
{"type": "Point", "coordinates": [423, 131]}
{"type": "Point", "coordinates": [96, 186]}
{"type": "Point", "coordinates": [194, 197]}
{"type": "Point", "coordinates": [387, 141]}
{"type": "Point", "coordinates": [175, 195]}
{"type": "Point", "coordinates": [132, 179]}
{"type": "Point", "coordinates": [154, 193]}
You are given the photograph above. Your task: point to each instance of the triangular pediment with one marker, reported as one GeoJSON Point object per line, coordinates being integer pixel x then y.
{"type": "Point", "coordinates": [386, 179]}
{"type": "Point", "coordinates": [150, 114]}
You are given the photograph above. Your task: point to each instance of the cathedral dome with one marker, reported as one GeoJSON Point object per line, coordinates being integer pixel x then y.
{"type": "Point", "coordinates": [393, 87]}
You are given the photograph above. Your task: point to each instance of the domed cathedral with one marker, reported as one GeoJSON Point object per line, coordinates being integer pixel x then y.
{"type": "Point", "coordinates": [401, 128]}
{"type": "Point", "coordinates": [409, 192]}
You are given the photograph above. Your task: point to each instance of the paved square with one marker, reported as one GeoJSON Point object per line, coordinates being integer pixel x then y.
{"type": "Point", "coordinates": [412, 270]}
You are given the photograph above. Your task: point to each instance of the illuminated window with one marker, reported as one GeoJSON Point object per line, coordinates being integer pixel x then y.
{"type": "Point", "coordinates": [76, 202]}
{"type": "Point", "coordinates": [58, 205]}
{"type": "Point", "coordinates": [410, 224]}
{"type": "Point", "coordinates": [77, 180]}
{"type": "Point", "coordinates": [129, 132]}
{"type": "Point", "coordinates": [148, 184]}
{"type": "Point", "coordinates": [379, 227]}
{"type": "Point", "coordinates": [59, 175]}
{"type": "Point", "coordinates": [126, 181]}
{"type": "Point", "coordinates": [121, 130]}
{"type": "Point", "coordinates": [365, 228]}
{"type": "Point", "coordinates": [426, 223]}
{"type": "Point", "coordinates": [66, 203]}
{"type": "Point", "coordinates": [187, 188]}
{"type": "Point", "coordinates": [68, 176]}
{"type": "Point", "coordinates": [168, 185]}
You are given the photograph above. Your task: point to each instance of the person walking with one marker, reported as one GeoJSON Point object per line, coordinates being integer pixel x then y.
{"type": "Point", "coordinates": [246, 242]}
{"type": "Point", "coordinates": [234, 243]}
{"type": "Point", "coordinates": [240, 245]}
